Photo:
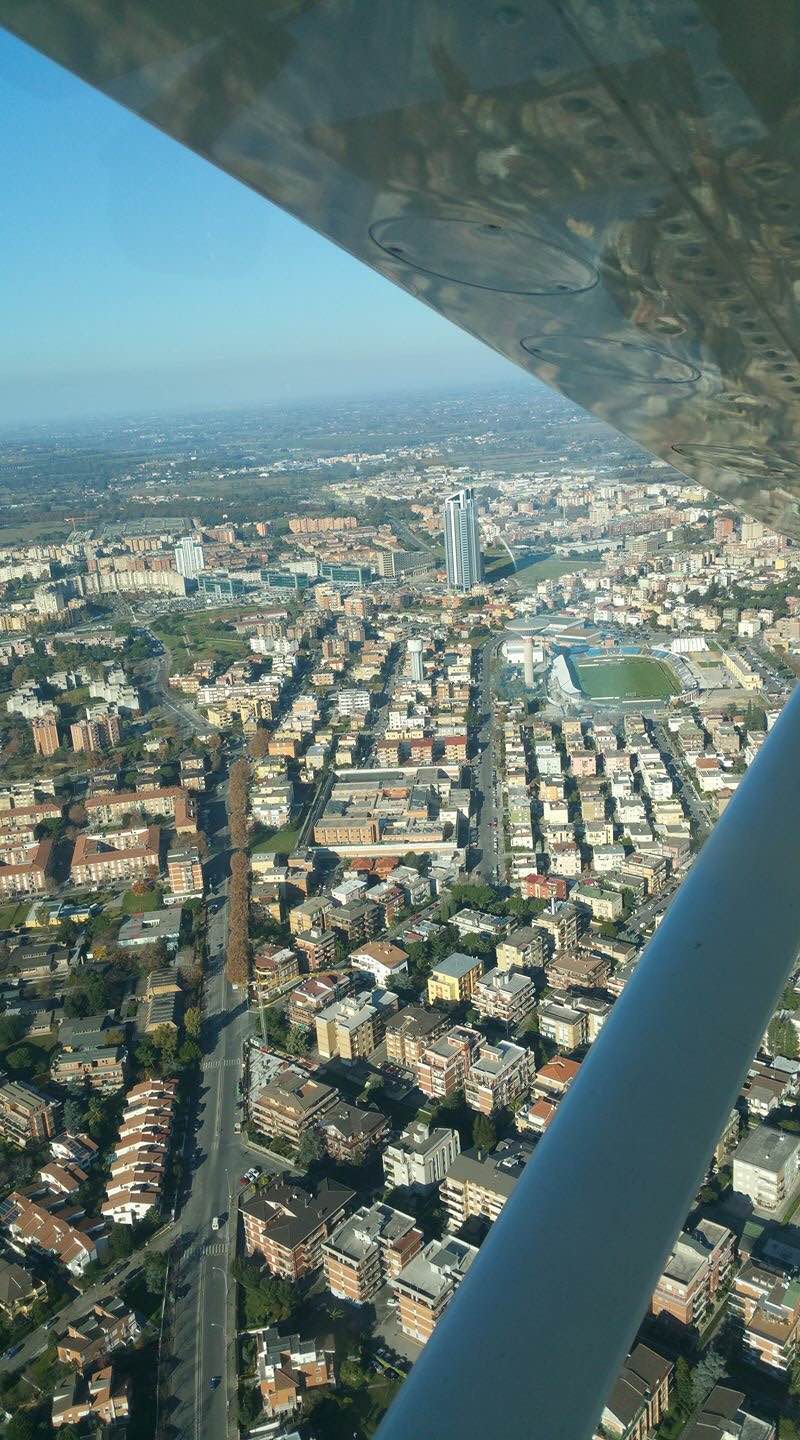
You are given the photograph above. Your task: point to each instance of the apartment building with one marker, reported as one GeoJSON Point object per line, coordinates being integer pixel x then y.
{"type": "Point", "coordinates": [420, 1157]}
{"type": "Point", "coordinates": [140, 1155]}
{"type": "Point", "coordinates": [287, 1367]}
{"type": "Point", "coordinates": [640, 1397]}
{"type": "Point", "coordinates": [578, 970]}
{"type": "Point", "coordinates": [523, 949]}
{"type": "Point", "coordinates": [291, 1104]}
{"type": "Point", "coordinates": [317, 948]}
{"type": "Point", "coordinates": [313, 995]}
{"type": "Point", "coordinates": [28, 873]}
{"type": "Point", "coordinates": [504, 995]}
{"type": "Point", "coordinates": [765, 1166]}
{"type": "Point", "coordinates": [108, 807]}
{"type": "Point", "coordinates": [288, 1226]}
{"type": "Point", "coordinates": [443, 1066]}
{"type": "Point", "coordinates": [454, 978]}
{"type": "Point", "coordinates": [353, 1027]}
{"type": "Point", "coordinates": [124, 855]}
{"type": "Point", "coordinates": [44, 732]}
{"type": "Point", "coordinates": [766, 1303]}
{"type": "Point", "coordinates": [274, 968]}
{"type": "Point", "coordinates": [367, 1250]}
{"type": "Point", "coordinates": [475, 1187]}
{"type": "Point", "coordinates": [698, 1267]}
{"type": "Point", "coordinates": [26, 1114]}
{"type": "Point", "coordinates": [562, 1024]}
{"type": "Point", "coordinates": [723, 1415]}
{"type": "Point", "coordinates": [350, 1133]}
{"type": "Point", "coordinates": [185, 873]}
{"type": "Point", "coordinates": [427, 1284]}
{"type": "Point", "coordinates": [311, 914]}
{"type": "Point", "coordinates": [409, 1032]}
{"type": "Point", "coordinates": [498, 1076]}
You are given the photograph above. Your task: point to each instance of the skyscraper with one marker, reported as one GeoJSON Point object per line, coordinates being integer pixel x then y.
{"type": "Point", "coordinates": [189, 557]}
{"type": "Point", "coordinates": [415, 648]}
{"type": "Point", "coordinates": [462, 547]}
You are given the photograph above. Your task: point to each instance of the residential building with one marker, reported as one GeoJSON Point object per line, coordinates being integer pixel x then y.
{"type": "Point", "coordinates": [104, 1328]}
{"type": "Point", "coordinates": [287, 1368]}
{"type": "Point", "coordinates": [189, 559]}
{"type": "Point", "coordinates": [498, 1076]}
{"type": "Point", "coordinates": [462, 549]}
{"type": "Point", "coordinates": [185, 873]}
{"type": "Point", "coordinates": [316, 947]}
{"type": "Point", "coordinates": [504, 995]}
{"type": "Point", "coordinates": [101, 1397]}
{"type": "Point", "coordinates": [313, 995]}
{"type": "Point", "coordinates": [26, 1114]}
{"type": "Point", "coordinates": [427, 1284]}
{"type": "Point", "coordinates": [124, 855]}
{"type": "Point", "coordinates": [640, 1397]}
{"type": "Point", "coordinates": [443, 1065]}
{"type": "Point", "coordinates": [350, 1133]}
{"type": "Point", "coordinates": [523, 949]}
{"type": "Point", "coordinates": [723, 1416]}
{"type": "Point", "coordinates": [420, 1157]}
{"type": "Point", "coordinates": [136, 1176]}
{"type": "Point", "coordinates": [274, 968]}
{"type": "Point", "coordinates": [19, 1290]}
{"type": "Point", "coordinates": [353, 1027]}
{"type": "Point", "coordinates": [765, 1166]}
{"type": "Point", "coordinates": [698, 1267]}
{"type": "Point", "coordinates": [409, 1032]}
{"type": "Point", "coordinates": [44, 731]}
{"type": "Point", "coordinates": [288, 1226]}
{"type": "Point", "coordinates": [766, 1305]}
{"type": "Point", "coordinates": [381, 960]}
{"type": "Point", "coordinates": [367, 1250]}
{"type": "Point", "coordinates": [291, 1104]}
{"type": "Point", "coordinates": [475, 1187]}
{"type": "Point", "coordinates": [454, 978]}
{"type": "Point", "coordinates": [36, 1218]}
{"type": "Point", "coordinates": [103, 1068]}
{"type": "Point", "coordinates": [562, 1024]}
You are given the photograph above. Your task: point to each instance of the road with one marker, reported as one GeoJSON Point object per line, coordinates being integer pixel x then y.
{"type": "Point", "coordinates": [488, 772]}
{"type": "Point", "coordinates": [200, 1345]}
{"type": "Point", "coordinates": [699, 811]}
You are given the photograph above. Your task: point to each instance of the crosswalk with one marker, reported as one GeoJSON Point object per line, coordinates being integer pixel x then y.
{"type": "Point", "coordinates": [221, 1064]}
{"type": "Point", "coordinates": [200, 1252]}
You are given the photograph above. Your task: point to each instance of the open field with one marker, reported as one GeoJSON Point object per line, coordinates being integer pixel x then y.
{"type": "Point", "coordinates": [625, 677]}
{"type": "Point", "coordinates": [549, 567]}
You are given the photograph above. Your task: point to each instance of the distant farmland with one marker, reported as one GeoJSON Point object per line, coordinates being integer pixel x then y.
{"type": "Point", "coordinates": [625, 677]}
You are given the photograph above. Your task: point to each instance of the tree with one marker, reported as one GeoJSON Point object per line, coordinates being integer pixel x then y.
{"type": "Point", "coordinates": [782, 1038]}
{"type": "Point", "coordinates": [712, 1367]}
{"type": "Point", "coordinates": [310, 1149]}
{"type": "Point", "coordinates": [483, 1134]}
{"type": "Point", "coordinates": [683, 1386]}
{"type": "Point", "coordinates": [297, 1041]}
{"type": "Point", "coordinates": [155, 1271]}
{"type": "Point", "coordinates": [192, 1022]}
{"type": "Point", "coordinates": [12, 1028]}
{"type": "Point", "coordinates": [74, 1113]}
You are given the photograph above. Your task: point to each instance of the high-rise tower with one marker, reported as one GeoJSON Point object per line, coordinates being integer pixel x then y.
{"type": "Point", "coordinates": [414, 648]}
{"type": "Point", "coordinates": [462, 547]}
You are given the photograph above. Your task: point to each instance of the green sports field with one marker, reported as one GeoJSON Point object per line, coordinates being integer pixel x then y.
{"type": "Point", "coordinates": [625, 677]}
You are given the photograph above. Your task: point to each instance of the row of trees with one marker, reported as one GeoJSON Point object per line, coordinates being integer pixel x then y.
{"type": "Point", "coordinates": [237, 955]}
{"type": "Point", "coordinates": [238, 952]}
{"type": "Point", "coordinates": [238, 791]}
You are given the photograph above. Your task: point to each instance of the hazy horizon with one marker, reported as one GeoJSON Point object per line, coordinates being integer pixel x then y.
{"type": "Point", "coordinates": [141, 278]}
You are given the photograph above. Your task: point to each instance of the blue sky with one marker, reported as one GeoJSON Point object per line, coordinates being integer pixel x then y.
{"type": "Point", "coordinates": [136, 276]}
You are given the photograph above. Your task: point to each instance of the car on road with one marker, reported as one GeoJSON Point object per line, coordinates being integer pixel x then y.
{"type": "Point", "coordinates": [12, 1351]}
{"type": "Point", "coordinates": [215, 1223]}
{"type": "Point", "coordinates": [214, 1382]}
